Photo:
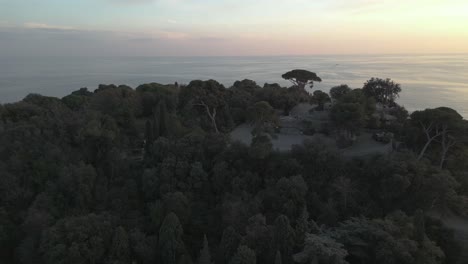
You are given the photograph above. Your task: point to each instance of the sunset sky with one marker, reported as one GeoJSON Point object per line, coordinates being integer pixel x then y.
{"type": "Point", "coordinates": [231, 27]}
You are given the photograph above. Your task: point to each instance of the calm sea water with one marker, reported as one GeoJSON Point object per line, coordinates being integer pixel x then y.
{"type": "Point", "coordinates": [427, 80]}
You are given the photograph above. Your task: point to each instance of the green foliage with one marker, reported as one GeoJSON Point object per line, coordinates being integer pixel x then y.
{"type": "Point", "coordinates": [84, 239]}
{"type": "Point", "coordinates": [320, 98]}
{"type": "Point", "coordinates": [350, 113]}
{"type": "Point", "coordinates": [339, 91]}
{"type": "Point", "coordinates": [244, 255]}
{"type": "Point", "coordinates": [382, 90]}
{"type": "Point", "coordinates": [240, 97]}
{"type": "Point", "coordinates": [261, 113]}
{"type": "Point", "coordinates": [205, 256]}
{"type": "Point", "coordinates": [281, 98]}
{"type": "Point", "coordinates": [152, 94]}
{"type": "Point", "coordinates": [228, 244]}
{"type": "Point", "coordinates": [321, 249]}
{"type": "Point", "coordinates": [441, 126]}
{"type": "Point", "coordinates": [120, 249]}
{"type": "Point", "coordinates": [278, 258]}
{"type": "Point", "coordinates": [261, 146]}
{"type": "Point", "coordinates": [284, 237]}
{"type": "Point", "coordinates": [171, 245]}
{"type": "Point", "coordinates": [388, 240]}
{"type": "Point", "coordinates": [76, 185]}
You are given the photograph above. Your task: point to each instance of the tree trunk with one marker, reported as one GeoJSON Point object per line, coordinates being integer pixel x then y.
{"type": "Point", "coordinates": [427, 131]}
{"type": "Point", "coordinates": [211, 115]}
{"type": "Point", "coordinates": [442, 158]}
{"type": "Point", "coordinates": [213, 118]}
{"type": "Point", "coordinates": [446, 144]}
{"type": "Point", "coordinates": [421, 154]}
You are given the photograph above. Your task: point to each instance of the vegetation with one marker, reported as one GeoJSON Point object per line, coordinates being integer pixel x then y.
{"type": "Point", "coordinates": [383, 91]}
{"type": "Point", "coordinates": [301, 78]}
{"type": "Point", "coordinates": [151, 176]}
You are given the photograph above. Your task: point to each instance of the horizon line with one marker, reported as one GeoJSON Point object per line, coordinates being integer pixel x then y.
{"type": "Point", "coordinates": [234, 56]}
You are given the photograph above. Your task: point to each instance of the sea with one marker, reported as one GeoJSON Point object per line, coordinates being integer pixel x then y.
{"type": "Point", "coordinates": [427, 80]}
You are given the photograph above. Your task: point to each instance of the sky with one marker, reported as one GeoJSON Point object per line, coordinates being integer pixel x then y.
{"type": "Point", "coordinates": [231, 27]}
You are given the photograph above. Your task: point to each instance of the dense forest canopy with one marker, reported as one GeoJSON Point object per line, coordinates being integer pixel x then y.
{"type": "Point", "coordinates": [151, 175]}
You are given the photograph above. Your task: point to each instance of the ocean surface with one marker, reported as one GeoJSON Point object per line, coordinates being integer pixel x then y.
{"type": "Point", "coordinates": [427, 80]}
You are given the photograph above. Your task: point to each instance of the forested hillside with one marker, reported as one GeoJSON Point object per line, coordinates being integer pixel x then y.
{"type": "Point", "coordinates": [150, 175]}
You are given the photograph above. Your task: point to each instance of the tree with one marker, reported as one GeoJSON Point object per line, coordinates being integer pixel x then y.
{"type": "Point", "coordinates": [284, 237]}
{"type": "Point", "coordinates": [321, 98]}
{"type": "Point", "coordinates": [383, 90]}
{"type": "Point", "coordinates": [301, 78]}
{"type": "Point", "coordinates": [2, 114]}
{"type": "Point", "coordinates": [120, 250]}
{"type": "Point", "coordinates": [205, 256]}
{"type": "Point", "coordinates": [261, 146]}
{"type": "Point", "coordinates": [143, 247]}
{"type": "Point", "coordinates": [443, 125]}
{"type": "Point", "coordinates": [262, 113]}
{"type": "Point", "coordinates": [278, 258]}
{"type": "Point", "coordinates": [282, 98]}
{"type": "Point", "coordinates": [321, 249]}
{"type": "Point", "coordinates": [344, 187]}
{"type": "Point", "coordinates": [240, 97]}
{"type": "Point", "coordinates": [160, 121]}
{"type": "Point", "coordinates": [207, 95]}
{"type": "Point", "coordinates": [350, 113]}
{"type": "Point", "coordinates": [228, 245]}
{"type": "Point", "coordinates": [171, 246]}
{"type": "Point", "coordinates": [259, 237]}
{"type": "Point", "coordinates": [348, 117]}
{"type": "Point", "coordinates": [338, 92]}
{"type": "Point", "coordinates": [84, 239]}
{"type": "Point", "coordinates": [178, 203]}
{"type": "Point", "coordinates": [244, 255]}
{"type": "Point", "coordinates": [290, 195]}
{"type": "Point", "coordinates": [262, 116]}
{"type": "Point", "coordinates": [302, 227]}
{"type": "Point", "coordinates": [388, 240]}
{"type": "Point", "coordinates": [149, 135]}
{"type": "Point", "coordinates": [152, 94]}
{"type": "Point", "coordinates": [453, 132]}
{"type": "Point", "coordinates": [419, 226]}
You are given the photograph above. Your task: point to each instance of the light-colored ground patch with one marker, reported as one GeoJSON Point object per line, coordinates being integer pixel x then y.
{"type": "Point", "coordinates": [364, 145]}
{"type": "Point", "coordinates": [303, 115]}
{"type": "Point", "coordinates": [281, 142]}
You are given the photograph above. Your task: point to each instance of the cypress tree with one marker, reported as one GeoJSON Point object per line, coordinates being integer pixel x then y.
{"type": "Point", "coordinates": [163, 119]}
{"type": "Point", "coordinates": [120, 250]}
{"type": "Point", "coordinates": [284, 236]}
{"type": "Point", "coordinates": [149, 135]}
{"type": "Point", "coordinates": [171, 246]}
{"type": "Point", "coordinates": [228, 245]}
{"type": "Point", "coordinates": [302, 227]}
{"type": "Point", "coordinates": [205, 257]}
{"type": "Point", "coordinates": [244, 255]}
{"type": "Point", "coordinates": [419, 226]}
{"type": "Point", "coordinates": [156, 122]}
{"type": "Point", "coordinates": [278, 257]}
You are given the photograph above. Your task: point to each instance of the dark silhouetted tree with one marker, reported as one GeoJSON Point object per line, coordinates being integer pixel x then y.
{"type": "Point", "coordinates": [120, 249]}
{"type": "Point", "coordinates": [171, 245]}
{"type": "Point", "coordinates": [301, 78]}
{"type": "Point", "coordinates": [383, 90]}
{"type": "Point", "coordinates": [244, 255]}
{"type": "Point", "coordinates": [339, 91]}
{"type": "Point", "coordinates": [205, 256]}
